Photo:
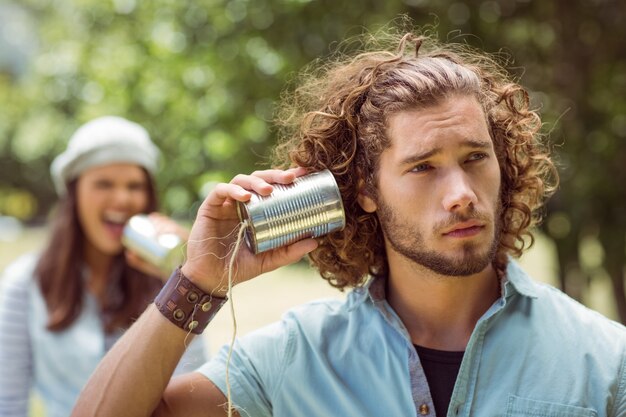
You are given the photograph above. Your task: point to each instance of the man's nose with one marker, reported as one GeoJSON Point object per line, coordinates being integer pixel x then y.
{"type": "Point", "coordinates": [459, 193]}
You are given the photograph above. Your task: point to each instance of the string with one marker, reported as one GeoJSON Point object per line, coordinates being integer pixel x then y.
{"type": "Point", "coordinates": [231, 265]}
{"type": "Point", "coordinates": [231, 252]}
{"type": "Point", "coordinates": [184, 246]}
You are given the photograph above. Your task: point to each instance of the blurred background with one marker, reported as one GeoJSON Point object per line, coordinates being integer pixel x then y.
{"type": "Point", "coordinates": [203, 76]}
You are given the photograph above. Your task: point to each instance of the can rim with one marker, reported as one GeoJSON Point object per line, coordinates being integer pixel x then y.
{"type": "Point", "coordinates": [244, 215]}
{"type": "Point", "coordinates": [339, 199]}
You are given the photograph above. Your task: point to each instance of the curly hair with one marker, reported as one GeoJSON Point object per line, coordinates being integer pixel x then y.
{"type": "Point", "coordinates": [337, 120]}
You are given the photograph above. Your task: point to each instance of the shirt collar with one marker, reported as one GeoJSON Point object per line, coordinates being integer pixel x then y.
{"type": "Point", "coordinates": [373, 289]}
{"type": "Point", "coordinates": [515, 281]}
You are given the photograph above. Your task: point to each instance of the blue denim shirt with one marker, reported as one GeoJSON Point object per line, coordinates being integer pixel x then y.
{"type": "Point", "coordinates": [535, 352]}
{"type": "Point", "coordinates": [55, 364]}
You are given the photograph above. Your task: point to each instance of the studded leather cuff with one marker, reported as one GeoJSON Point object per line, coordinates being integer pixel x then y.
{"type": "Point", "coordinates": [186, 305]}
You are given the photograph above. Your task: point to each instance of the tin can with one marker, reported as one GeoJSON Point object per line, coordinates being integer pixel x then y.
{"type": "Point", "coordinates": [164, 250]}
{"type": "Point", "coordinates": [309, 207]}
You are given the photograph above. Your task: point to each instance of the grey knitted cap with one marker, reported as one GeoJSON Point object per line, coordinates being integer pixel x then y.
{"type": "Point", "coordinates": [102, 141]}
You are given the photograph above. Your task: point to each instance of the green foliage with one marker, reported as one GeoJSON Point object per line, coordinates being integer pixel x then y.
{"type": "Point", "coordinates": [203, 77]}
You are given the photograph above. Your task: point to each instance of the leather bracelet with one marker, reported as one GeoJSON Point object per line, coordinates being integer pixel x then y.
{"type": "Point", "coordinates": [186, 305]}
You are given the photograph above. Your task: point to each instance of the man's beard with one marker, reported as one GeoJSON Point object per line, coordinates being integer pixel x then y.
{"type": "Point", "coordinates": [409, 242]}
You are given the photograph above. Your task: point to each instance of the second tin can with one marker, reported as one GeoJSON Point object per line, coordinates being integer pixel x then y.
{"type": "Point", "coordinates": [163, 250]}
{"type": "Point", "coordinates": [309, 207]}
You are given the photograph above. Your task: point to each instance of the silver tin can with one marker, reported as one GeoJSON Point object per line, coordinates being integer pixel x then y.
{"type": "Point", "coordinates": [309, 207]}
{"type": "Point", "coordinates": [163, 250]}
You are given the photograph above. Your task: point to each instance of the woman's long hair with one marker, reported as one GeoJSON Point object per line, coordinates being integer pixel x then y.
{"type": "Point", "coordinates": [59, 273]}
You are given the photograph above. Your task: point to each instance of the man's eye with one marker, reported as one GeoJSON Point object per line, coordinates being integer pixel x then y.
{"type": "Point", "coordinates": [477, 156]}
{"type": "Point", "coordinates": [420, 168]}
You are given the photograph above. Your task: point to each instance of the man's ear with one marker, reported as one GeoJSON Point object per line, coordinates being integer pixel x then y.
{"type": "Point", "coordinates": [366, 202]}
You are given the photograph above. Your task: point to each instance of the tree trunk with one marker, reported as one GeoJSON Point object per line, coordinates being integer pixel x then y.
{"type": "Point", "coordinates": [614, 243]}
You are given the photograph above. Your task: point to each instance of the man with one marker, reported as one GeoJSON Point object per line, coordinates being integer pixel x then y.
{"type": "Point", "coordinates": [442, 172]}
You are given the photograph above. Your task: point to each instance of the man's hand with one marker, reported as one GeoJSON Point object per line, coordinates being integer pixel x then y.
{"type": "Point", "coordinates": [214, 234]}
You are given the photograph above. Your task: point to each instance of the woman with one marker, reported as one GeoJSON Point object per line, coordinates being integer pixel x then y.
{"type": "Point", "coordinates": [61, 310]}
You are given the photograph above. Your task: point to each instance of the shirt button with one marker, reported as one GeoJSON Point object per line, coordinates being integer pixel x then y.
{"type": "Point", "coordinates": [424, 409]}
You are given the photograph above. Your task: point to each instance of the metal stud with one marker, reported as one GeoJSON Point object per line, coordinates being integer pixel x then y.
{"type": "Point", "coordinates": [192, 296]}
{"type": "Point", "coordinates": [178, 314]}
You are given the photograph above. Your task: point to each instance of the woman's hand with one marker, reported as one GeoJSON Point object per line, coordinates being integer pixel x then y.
{"type": "Point", "coordinates": [214, 234]}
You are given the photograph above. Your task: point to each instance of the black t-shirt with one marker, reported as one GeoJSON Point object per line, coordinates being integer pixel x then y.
{"type": "Point", "coordinates": [441, 369]}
